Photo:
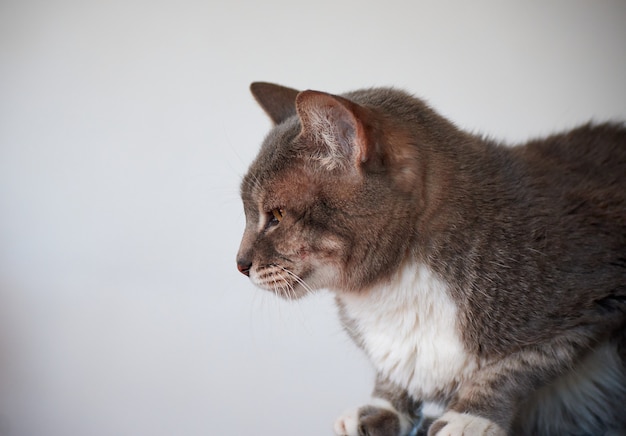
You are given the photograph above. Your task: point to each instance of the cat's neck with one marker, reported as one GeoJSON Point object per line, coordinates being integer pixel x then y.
{"type": "Point", "coordinates": [459, 179]}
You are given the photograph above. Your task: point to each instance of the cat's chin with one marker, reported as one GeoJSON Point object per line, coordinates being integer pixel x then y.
{"type": "Point", "coordinates": [292, 294]}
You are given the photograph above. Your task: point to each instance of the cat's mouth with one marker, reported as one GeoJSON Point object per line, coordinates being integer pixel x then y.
{"type": "Point", "coordinates": [280, 280]}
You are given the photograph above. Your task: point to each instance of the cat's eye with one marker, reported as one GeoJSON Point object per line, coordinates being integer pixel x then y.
{"type": "Point", "coordinates": [278, 214]}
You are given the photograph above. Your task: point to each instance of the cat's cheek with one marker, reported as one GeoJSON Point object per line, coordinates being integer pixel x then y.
{"type": "Point", "coordinates": [329, 245]}
{"type": "Point", "coordinates": [324, 276]}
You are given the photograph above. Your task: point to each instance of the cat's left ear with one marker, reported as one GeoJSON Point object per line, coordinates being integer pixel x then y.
{"type": "Point", "coordinates": [278, 102]}
{"type": "Point", "coordinates": [334, 126]}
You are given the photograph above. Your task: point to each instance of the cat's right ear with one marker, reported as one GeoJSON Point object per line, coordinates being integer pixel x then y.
{"type": "Point", "coordinates": [334, 127]}
{"type": "Point", "coordinates": [279, 102]}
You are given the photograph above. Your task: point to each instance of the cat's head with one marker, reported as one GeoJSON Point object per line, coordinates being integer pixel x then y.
{"type": "Point", "coordinates": [330, 199]}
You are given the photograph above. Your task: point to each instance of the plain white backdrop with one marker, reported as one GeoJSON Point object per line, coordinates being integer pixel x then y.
{"type": "Point", "coordinates": [125, 127]}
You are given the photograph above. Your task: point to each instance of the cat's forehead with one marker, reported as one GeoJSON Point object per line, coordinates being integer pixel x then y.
{"type": "Point", "coordinates": [274, 165]}
{"type": "Point", "coordinates": [292, 184]}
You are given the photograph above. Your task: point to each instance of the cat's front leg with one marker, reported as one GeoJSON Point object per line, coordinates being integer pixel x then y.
{"type": "Point", "coordinates": [391, 412]}
{"type": "Point", "coordinates": [485, 404]}
{"type": "Point", "coordinates": [483, 407]}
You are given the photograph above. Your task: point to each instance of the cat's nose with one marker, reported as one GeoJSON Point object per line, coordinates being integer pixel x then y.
{"type": "Point", "coordinates": [244, 267]}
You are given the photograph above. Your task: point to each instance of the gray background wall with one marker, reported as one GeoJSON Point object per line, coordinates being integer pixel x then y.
{"type": "Point", "coordinates": [125, 127]}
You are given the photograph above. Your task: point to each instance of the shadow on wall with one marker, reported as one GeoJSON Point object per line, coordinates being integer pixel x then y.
{"type": "Point", "coordinates": [7, 336]}
{"type": "Point", "coordinates": [16, 377]}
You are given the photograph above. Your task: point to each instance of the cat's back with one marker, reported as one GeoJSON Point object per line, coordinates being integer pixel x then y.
{"type": "Point", "coordinates": [590, 154]}
{"type": "Point", "coordinates": [577, 206]}
{"type": "Point", "coordinates": [580, 178]}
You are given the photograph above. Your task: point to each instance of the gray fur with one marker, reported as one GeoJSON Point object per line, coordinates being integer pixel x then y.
{"type": "Point", "coordinates": [530, 241]}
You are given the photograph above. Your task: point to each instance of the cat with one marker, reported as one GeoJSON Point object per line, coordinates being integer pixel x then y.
{"type": "Point", "coordinates": [487, 279]}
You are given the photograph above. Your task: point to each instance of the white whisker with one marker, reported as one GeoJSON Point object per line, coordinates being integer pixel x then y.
{"type": "Point", "coordinates": [302, 283]}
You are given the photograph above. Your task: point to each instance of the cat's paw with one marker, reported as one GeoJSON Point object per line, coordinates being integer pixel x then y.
{"type": "Point", "coordinates": [348, 423]}
{"type": "Point", "coordinates": [463, 424]}
{"type": "Point", "coordinates": [373, 420]}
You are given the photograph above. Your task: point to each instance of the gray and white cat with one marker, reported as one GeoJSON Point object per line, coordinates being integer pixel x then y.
{"type": "Point", "coordinates": [488, 279]}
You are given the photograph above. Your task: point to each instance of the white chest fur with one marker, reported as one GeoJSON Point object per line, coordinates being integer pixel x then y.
{"type": "Point", "coordinates": [409, 330]}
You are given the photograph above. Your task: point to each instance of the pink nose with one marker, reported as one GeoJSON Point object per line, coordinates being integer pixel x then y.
{"type": "Point", "coordinates": [244, 267]}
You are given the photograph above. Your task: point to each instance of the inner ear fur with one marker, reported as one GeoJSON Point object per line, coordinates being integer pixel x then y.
{"type": "Point", "coordinates": [335, 126]}
{"type": "Point", "coordinates": [278, 102]}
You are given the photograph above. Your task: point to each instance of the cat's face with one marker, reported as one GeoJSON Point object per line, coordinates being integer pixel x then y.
{"type": "Point", "coordinates": [322, 210]}
{"type": "Point", "coordinates": [293, 242]}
